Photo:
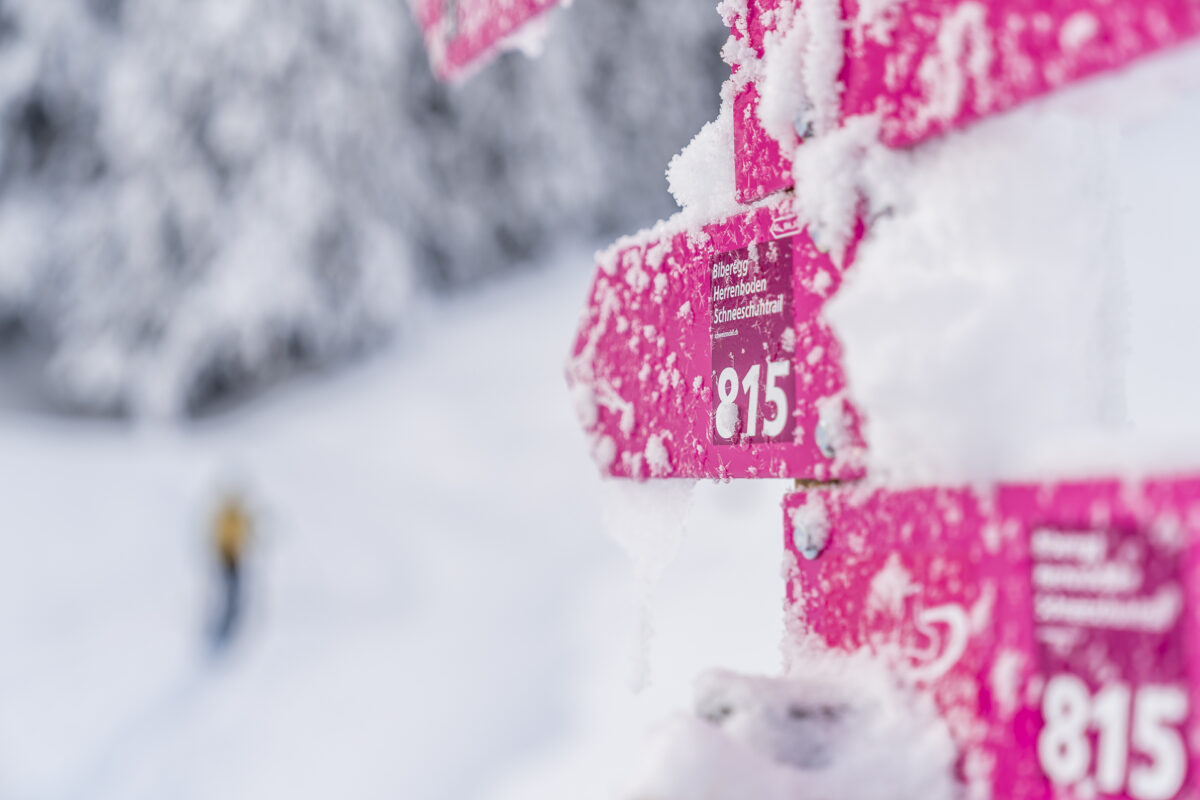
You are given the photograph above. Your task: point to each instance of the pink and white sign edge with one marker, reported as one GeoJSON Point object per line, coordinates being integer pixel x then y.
{"type": "Point", "coordinates": [646, 384]}
{"type": "Point", "coordinates": [928, 66]}
{"type": "Point", "coordinates": [461, 35]}
{"type": "Point", "coordinates": [1054, 624]}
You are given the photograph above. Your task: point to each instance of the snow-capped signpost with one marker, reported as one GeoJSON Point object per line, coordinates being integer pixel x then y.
{"type": "Point", "coordinates": [702, 354]}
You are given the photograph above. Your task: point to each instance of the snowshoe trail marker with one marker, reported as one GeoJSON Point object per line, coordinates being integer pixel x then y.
{"type": "Point", "coordinates": [461, 35]}
{"type": "Point", "coordinates": [1055, 625]}
{"type": "Point", "coordinates": [928, 66]}
{"type": "Point", "coordinates": [702, 354]}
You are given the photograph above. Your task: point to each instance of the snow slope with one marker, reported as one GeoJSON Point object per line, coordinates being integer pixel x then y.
{"type": "Point", "coordinates": [435, 612]}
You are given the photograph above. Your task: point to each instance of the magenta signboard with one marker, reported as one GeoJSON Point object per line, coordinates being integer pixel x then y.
{"type": "Point", "coordinates": [702, 353]}
{"type": "Point", "coordinates": [1054, 625]}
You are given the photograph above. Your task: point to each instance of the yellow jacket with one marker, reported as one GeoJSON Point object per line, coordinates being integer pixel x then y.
{"type": "Point", "coordinates": [232, 529]}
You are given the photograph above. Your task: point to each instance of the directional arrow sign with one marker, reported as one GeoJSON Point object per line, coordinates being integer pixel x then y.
{"type": "Point", "coordinates": [926, 66]}
{"type": "Point", "coordinates": [461, 35]}
{"type": "Point", "coordinates": [702, 354]}
{"type": "Point", "coordinates": [1055, 626]}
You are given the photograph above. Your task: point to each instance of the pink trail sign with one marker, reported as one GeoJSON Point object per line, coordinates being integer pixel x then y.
{"type": "Point", "coordinates": [928, 66]}
{"type": "Point", "coordinates": [1055, 626]}
{"type": "Point", "coordinates": [461, 35]}
{"type": "Point", "coordinates": [702, 353]}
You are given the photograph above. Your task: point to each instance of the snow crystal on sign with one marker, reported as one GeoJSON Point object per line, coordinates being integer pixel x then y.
{"type": "Point", "coordinates": [658, 459]}
{"type": "Point", "coordinates": [1079, 29]}
{"type": "Point", "coordinates": [842, 728]}
{"type": "Point", "coordinates": [648, 521]}
{"type": "Point", "coordinates": [964, 53]}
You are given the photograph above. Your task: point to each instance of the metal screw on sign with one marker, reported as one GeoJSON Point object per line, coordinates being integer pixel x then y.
{"type": "Point", "coordinates": [803, 125]}
{"type": "Point", "coordinates": [805, 543]}
{"type": "Point", "coordinates": [824, 441]}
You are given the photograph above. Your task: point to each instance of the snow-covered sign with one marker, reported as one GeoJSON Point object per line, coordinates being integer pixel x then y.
{"type": "Point", "coordinates": [462, 34]}
{"type": "Point", "coordinates": [1054, 625]}
{"type": "Point", "coordinates": [921, 67]}
{"type": "Point", "coordinates": [702, 354]}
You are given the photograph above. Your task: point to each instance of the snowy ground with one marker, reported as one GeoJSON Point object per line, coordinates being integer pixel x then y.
{"type": "Point", "coordinates": [435, 610]}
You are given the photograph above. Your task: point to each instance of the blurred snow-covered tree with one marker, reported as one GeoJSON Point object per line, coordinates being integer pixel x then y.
{"type": "Point", "coordinates": [196, 197]}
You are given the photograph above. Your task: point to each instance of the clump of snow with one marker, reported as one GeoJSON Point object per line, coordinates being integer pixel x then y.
{"type": "Point", "coordinates": [829, 175]}
{"type": "Point", "coordinates": [727, 419]}
{"type": "Point", "coordinates": [840, 728]}
{"type": "Point", "coordinates": [981, 314]}
{"type": "Point", "coordinates": [647, 519]}
{"type": "Point", "coordinates": [701, 177]}
{"type": "Point", "coordinates": [658, 458]}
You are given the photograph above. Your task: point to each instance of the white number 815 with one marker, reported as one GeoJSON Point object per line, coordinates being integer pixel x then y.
{"type": "Point", "coordinates": [1070, 711]}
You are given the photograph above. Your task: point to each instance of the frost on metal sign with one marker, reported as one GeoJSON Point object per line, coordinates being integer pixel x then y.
{"type": "Point", "coordinates": [702, 353]}
{"type": "Point", "coordinates": [1054, 625]}
{"type": "Point", "coordinates": [923, 67]}
{"type": "Point", "coordinates": [461, 35]}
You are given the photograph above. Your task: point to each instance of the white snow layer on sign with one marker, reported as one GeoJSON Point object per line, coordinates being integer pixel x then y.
{"type": "Point", "coordinates": [700, 178]}
{"type": "Point", "coordinates": [979, 316]}
{"type": "Point", "coordinates": [839, 729]}
{"type": "Point", "coordinates": [984, 318]}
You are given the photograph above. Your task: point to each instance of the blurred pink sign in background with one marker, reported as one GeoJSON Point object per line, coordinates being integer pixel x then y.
{"type": "Point", "coordinates": [462, 34]}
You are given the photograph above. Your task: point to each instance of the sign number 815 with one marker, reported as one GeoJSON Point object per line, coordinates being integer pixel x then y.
{"type": "Point", "coordinates": [729, 415]}
{"type": "Point", "coordinates": [1070, 711]}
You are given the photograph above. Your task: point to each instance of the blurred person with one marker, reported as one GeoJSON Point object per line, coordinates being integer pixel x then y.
{"type": "Point", "coordinates": [232, 530]}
